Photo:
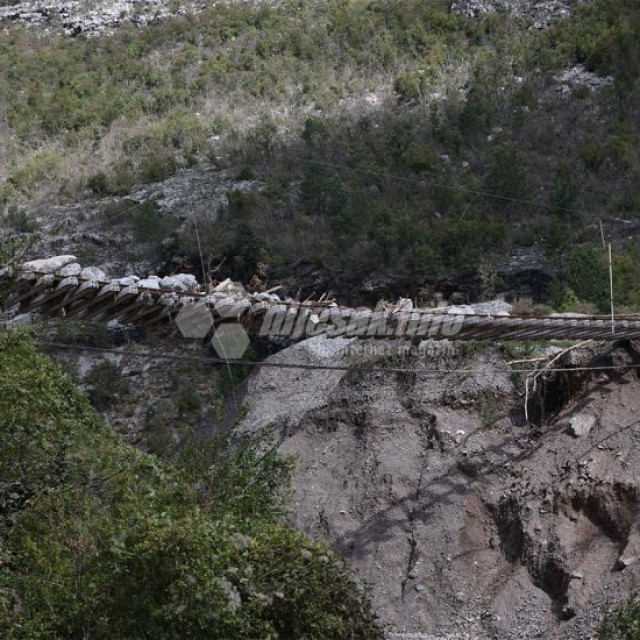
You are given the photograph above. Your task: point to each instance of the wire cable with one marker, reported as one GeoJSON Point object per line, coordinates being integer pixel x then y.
{"type": "Point", "coordinates": [317, 367]}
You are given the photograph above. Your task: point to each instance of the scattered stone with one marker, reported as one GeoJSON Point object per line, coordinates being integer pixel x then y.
{"type": "Point", "coordinates": [578, 76]}
{"type": "Point", "coordinates": [540, 14]}
{"type": "Point", "coordinates": [152, 282]}
{"type": "Point", "coordinates": [128, 281]}
{"type": "Point", "coordinates": [93, 273]}
{"type": "Point", "coordinates": [581, 424]}
{"type": "Point", "coordinates": [180, 282]}
{"type": "Point", "coordinates": [70, 270]}
{"type": "Point", "coordinates": [93, 18]}
{"type": "Point", "coordinates": [22, 320]}
{"type": "Point", "coordinates": [49, 265]}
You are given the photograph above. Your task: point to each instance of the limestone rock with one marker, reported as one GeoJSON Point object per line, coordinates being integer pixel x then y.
{"type": "Point", "coordinates": [152, 282]}
{"type": "Point", "coordinates": [631, 553]}
{"type": "Point", "coordinates": [72, 270]}
{"type": "Point", "coordinates": [578, 76]}
{"type": "Point", "coordinates": [581, 424]}
{"type": "Point", "coordinates": [49, 265]}
{"type": "Point", "coordinates": [93, 273]}
{"type": "Point", "coordinates": [180, 282]}
{"type": "Point", "coordinates": [540, 13]}
{"type": "Point", "coordinates": [93, 18]}
{"type": "Point", "coordinates": [128, 281]}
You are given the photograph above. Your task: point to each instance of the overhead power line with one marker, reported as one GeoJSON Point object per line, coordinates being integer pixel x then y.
{"type": "Point", "coordinates": [441, 185]}
{"type": "Point", "coordinates": [319, 367]}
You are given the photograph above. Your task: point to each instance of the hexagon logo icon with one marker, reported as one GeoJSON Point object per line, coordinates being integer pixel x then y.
{"type": "Point", "coordinates": [194, 322]}
{"type": "Point", "coordinates": [230, 341]}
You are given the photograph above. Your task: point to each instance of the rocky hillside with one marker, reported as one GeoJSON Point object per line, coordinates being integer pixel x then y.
{"type": "Point", "coordinates": [467, 522]}
{"type": "Point", "coordinates": [83, 17]}
{"type": "Point", "coordinates": [444, 150]}
{"type": "Point", "coordinates": [542, 13]}
{"type": "Point", "coordinates": [87, 17]}
{"type": "Point", "coordinates": [410, 148]}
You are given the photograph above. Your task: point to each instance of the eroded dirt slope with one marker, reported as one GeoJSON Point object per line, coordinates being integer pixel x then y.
{"type": "Point", "coordinates": [466, 522]}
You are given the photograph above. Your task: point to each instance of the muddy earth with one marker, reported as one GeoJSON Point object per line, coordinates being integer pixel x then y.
{"type": "Point", "coordinates": [466, 521]}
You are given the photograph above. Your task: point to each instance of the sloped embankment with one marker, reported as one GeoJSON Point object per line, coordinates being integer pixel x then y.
{"type": "Point", "coordinates": [467, 522]}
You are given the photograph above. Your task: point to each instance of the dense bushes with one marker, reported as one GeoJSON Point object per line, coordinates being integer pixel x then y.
{"type": "Point", "coordinates": [622, 623]}
{"type": "Point", "coordinates": [99, 540]}
{"type": "Point", "coordinates": [140, 94]}
{"type": "Point", "coordinates": [444, 124]}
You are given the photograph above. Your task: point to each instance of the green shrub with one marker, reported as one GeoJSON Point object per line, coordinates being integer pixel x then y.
{"type": "Point", "coordinates": [189, 401]}
{"type": "Point", "coordinates": [151, 225]}
{"type": "Point", "coordinates": [98, 538]}
{"type": "Point", "coordinates": [99, 184]}
{"type": "Point", "coordinates": [564, 188]}
{"type": "Point", "coordinates": [508, 176]}
{"type": "Point", "coordinates": [593, 155]}
{"type": "Point", "coordinates": [44, 167]}
{"type": "Point", "coordinates": [622, 623]}
{"type": "Point", "coordinates": [421, 157]}
{"type": "Point", "coordinates": [157, 165]}
{"type": "Point", "coordinates": [408, 87]}
{"type": "Point", "coordinates": [587, 275]}
{"type": "Point", "coordinates": [160, 420]}
{"type": "Point", "coordinates": [105, 385]}
{"type": "Point", "coordinates": [19, 220]}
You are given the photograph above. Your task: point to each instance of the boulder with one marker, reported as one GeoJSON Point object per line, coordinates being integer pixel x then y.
{"type": "Point", "coordinates": [180, 282]}
{"type": "Point", "coordinates": [93, 273]}
{"type": "Point", "coordinates": [581, 424]}
{"type": "Point", "coordinates": [152, 282]}
{"type": "Point", "coordinates": [72, 270]}
{"type": "Point", "coordinates": [49, 265]}
{"type": "Point", "coordinates": [493, 308]}
{"type": "Point", "coordinates": [631, 553]}
{"type": "Point", "coordinates": [127, 281]}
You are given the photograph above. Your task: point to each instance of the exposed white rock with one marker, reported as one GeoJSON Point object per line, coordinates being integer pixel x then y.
{"type": "Point", "coordinates": [180, 282]}
{"type": "Point", "coordinates": [578, 76]}
{"type": "Point", "coordinates": [72, 270]}
{"type": "Point", "coordinates": [188, 281]}
{"type": "Point", "coordinates": [128, 281]}
{"type": "Point", "coordinates": [267, 297]}
{"type": "Point", "coordinates": [223, 286]}
{"type": "Point", "coordinates": [581, 424]}
{"type": "Point", "coordinates": [541, 13]}
{"type": "Point", "coordinates": [91, 18]}
{"type": "Point", "coordinates": [152, 282]}
{"type": "Point", "coordinates": [93, 273]}
{"type": "Point", "coordinates": [21, 320]}
{"type": "Point", "coordinates": [568, 314]}
{"type": "Point", "coordinates": [49, 265]}
{"type": "Point", "coordinates": [493, 308]}
{"type": "Point", "coordinates": [631, 553]}
{"type": "Point", "coordinates": [404, 304]}
{"type": "Point", "coordinates": [460, 310]}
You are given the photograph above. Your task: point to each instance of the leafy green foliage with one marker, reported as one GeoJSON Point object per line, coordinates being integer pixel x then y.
{"type": "Point", "coordinates": [151, 225]}
{"type": "Point", "coordinates": [508, 175]}
{"type": "Point", "coordinates": [365, 185]}
{"type": "Point", "coordinates": [99, 539]}
{"type": "Point", "coordinates": [105, 385]}
{"type": "Point", "coordinates": [587, 275]}
{"type": "Point", "coordinates": [622, 623]}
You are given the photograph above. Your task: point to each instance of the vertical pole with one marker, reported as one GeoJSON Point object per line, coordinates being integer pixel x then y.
{"type": "Point", "coordinates": [602, 233]}
{"type": "Point", "coordinates": [613, 326]}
